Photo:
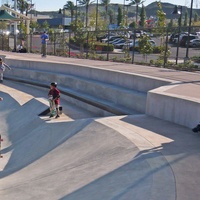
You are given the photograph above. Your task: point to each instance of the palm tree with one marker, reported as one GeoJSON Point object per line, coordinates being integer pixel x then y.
{"type": "Point", "coordinates": [70, 6]}
{"type": "Point", "coordinates": [86, 3]}
{"type": "Point", "coordinates": [137, 3]}
{"type": "Point", "coordinates": [105, 3]}
{"type": "Point", "coordinates": [22, 6]}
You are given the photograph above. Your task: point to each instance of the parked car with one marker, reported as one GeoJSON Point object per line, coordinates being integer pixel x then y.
{"type": "Point", "coordinates": [111, 37]}
{"type": "Point", "coordinates": [175, 40]}
{"type": "Point", "coordinates": [194, 43]}
{"type": "Point", "coordinates": [121, 44]}
{"type": "Point", "coordinates": [119, 41]}
{"type": "Point", "coordinates": [114, 39]}
{"type": "Point", "coordinates": [185, 38]}
{"type": "Point", "coordinates": [131, 45]}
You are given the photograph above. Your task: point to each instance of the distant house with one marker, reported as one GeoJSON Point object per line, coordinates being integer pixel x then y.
{"type": "Point", "coordinates": [56, 22]}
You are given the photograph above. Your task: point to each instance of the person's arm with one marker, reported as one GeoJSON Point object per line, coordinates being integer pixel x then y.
{"type": "Point", "coordinates": [47, 38]}
{"type": "Point", "coordinates": [6, 66]}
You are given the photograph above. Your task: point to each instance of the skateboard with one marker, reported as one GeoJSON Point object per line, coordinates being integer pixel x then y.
{"type": "Point", "coordinates": [52, 107]}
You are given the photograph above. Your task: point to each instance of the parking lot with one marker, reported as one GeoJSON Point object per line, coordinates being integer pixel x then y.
{"type": "Point", "coordinates": [117, 53]}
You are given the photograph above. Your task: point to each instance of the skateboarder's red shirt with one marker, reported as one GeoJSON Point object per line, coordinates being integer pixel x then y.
{"type": "Point", "coordinates": [55, 93]}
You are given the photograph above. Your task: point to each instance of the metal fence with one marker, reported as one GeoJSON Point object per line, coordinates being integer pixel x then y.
{"type": "Point", "coordinates": [89, 45]}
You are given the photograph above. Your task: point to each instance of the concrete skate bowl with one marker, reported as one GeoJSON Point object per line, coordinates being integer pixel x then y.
{"type": "Point", "coordinates": [80, 159]}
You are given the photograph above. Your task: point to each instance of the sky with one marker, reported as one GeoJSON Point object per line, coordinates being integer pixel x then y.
{"type": "Point", "coordinates": [53, 5]}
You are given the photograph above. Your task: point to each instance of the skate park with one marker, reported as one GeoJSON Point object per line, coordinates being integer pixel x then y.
{"type": "Point", "coordinates": [125, 131]}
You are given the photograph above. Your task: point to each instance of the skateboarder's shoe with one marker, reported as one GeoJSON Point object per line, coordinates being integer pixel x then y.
{"type": "Point", "coordinates": [57, 116]}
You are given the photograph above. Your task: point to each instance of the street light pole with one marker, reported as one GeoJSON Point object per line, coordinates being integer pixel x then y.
{"type": "Point", "coordinates": [176, 11]}
{"type": "Point", "coordinates": [76, 13]}
{"type": "Point", "coordinates": [97, 9]}
{"type": "Point", "coordinates": [15, 28]}
{"type": "Point", "coordinates": [189, 30]}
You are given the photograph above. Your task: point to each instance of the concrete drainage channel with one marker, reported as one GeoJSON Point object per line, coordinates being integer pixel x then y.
{"type": "Point", "coordinates": [99, 108]}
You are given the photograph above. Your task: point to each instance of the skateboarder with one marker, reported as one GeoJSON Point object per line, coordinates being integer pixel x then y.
{"type": "Point", "coordinates": [3, 67]}
{"type": "Point", "coordinates": [54, 99]}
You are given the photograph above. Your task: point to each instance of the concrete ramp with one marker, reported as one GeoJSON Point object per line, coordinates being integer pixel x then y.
{"type": "Point", "coordinates": [120, 157]}
{"type": "Point", "coordinates": [83, 159]}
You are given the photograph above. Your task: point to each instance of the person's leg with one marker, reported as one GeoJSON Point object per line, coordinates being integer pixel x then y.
{"type": "Point", "coordinates": [42, 50]}
{"type": "Point", "coordinates": [1, 76]}
{"type": "Point", "coordinates": [45, 49]}
{"type": "Point", "coordinates": [57, 111]}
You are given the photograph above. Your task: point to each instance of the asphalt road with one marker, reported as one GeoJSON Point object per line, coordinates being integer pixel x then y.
{"type": "Point", "coordinates": [36, 47]}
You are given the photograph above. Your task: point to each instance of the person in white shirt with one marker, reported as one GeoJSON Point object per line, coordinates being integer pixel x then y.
{"type": "Point", "coordinates": [3, 67]}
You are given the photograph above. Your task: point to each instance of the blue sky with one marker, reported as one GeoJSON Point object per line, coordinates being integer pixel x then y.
{"type": "Point", "coordinates": [53, 5]}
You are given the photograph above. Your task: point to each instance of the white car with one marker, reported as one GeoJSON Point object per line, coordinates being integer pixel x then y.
{"type": "Point", "coordinates": [121, 44]}
{"type": "Point", "coordinates": [119, 41]}
{"type": "Point", "coordinates": [194, 43]}
{"type": "Point", "coordinates": [131, 45]}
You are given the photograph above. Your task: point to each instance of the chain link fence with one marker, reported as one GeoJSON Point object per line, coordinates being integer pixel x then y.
{"type": "Point", "coordinates": [114, 45]}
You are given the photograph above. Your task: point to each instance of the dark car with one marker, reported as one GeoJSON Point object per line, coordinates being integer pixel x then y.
{"type": "Point", "coordinates": [184, 39]}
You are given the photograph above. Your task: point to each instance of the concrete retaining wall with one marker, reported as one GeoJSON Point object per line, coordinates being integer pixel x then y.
{"type": "Point", "coordinates": [173, 108]}
{"type": "Point", "coordinates": [142, 93]}
{"type": "Point", "coordinates": [126, 80]}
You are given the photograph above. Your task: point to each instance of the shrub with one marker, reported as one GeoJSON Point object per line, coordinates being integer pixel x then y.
{"type": "Point", "coordinates": [196, 59]}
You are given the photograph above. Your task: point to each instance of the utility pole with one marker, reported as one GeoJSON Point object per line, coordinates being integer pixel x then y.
{"type": "Point", "coordinates": [15, 28]}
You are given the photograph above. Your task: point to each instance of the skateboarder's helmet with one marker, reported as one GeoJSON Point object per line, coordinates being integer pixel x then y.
{"type": "Point", "coordinates": [54, 84]}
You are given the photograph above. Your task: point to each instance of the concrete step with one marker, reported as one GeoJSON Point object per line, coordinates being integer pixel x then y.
{"type": "Point", "coordinates": [88, 99]}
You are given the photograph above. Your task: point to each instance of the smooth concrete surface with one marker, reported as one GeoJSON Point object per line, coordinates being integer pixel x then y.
{"type": "Point", "coordinates": [179, 105]}
{"type": "Point", "coordinates": [80, 156]}
{"type": "Point", "coordinates": [173, 105]}
{"type": "Point", "coordinates": [99, 90]}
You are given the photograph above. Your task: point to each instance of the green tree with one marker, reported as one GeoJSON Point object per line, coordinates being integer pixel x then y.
{"type": "Point", "coordinates": [80, 35]}
{"type": "Point", "coordinates": [143, 17]}
{"type": "Point", "coordinates": [161, 15]}
{"type": "Point", "coordinates": [132, 25]}
{"type": "Point", "coordinates": [196, 17]}
{"type": "Point", "coordinates": [145, 46]}
{"type": "Point", "coordinates": [171, 23]}
{"type": "Point", "coordinates": [22, 6]}
{"type": "Point", "coordinates": [111, 16]}
{"type": "Point", "coordinates": [45, 25]}
{"type": "Point", "coordinates": [105, 3]}
{"type": "Point", "coordinates": [179, 22]}
{"type": "Point", "coordinates": [3, 25]}
{"type": "Point", "coordinates": [136, 3]}
{"type": "Point", "coordinates": [86, 3]}
{"type": "Point", "coordinates": [186, 18]}
{"type": "Point", "coordinates": [34, 25]}
{"type": "Point", "coordinates": [71, 7]}
{"type": "Point", "coordinates": [161, 29]}
{"type": "Point", "coordinates": [22, 27]}
{"type": "Point", "coordinates": [119, 17]}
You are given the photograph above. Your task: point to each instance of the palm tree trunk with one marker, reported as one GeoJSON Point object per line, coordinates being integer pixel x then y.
{"type": "Point", "coordinates": [87, 7]}
{"type": "Point", "coordinates": [136, 14]}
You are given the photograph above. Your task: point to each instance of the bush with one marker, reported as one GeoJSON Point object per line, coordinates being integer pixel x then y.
{"type": "Point", "coordinates": [98, 46]}
{"type": "Point", "coordinates": [157, 49]}
{"type": "Point", "coordinates": [196, 59]}
{"type": "Point", "coordinates": [104, 47]}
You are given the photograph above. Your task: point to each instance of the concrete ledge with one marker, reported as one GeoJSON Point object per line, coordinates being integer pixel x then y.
{"type": "Point", "coordinates": [174, 108]}
{"type": "Point", "coordinates": [127, 80]}
{"type": "Point", "coordinates": [107, 106]}
{"type": "Point", "coordinates": [130, 99]}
